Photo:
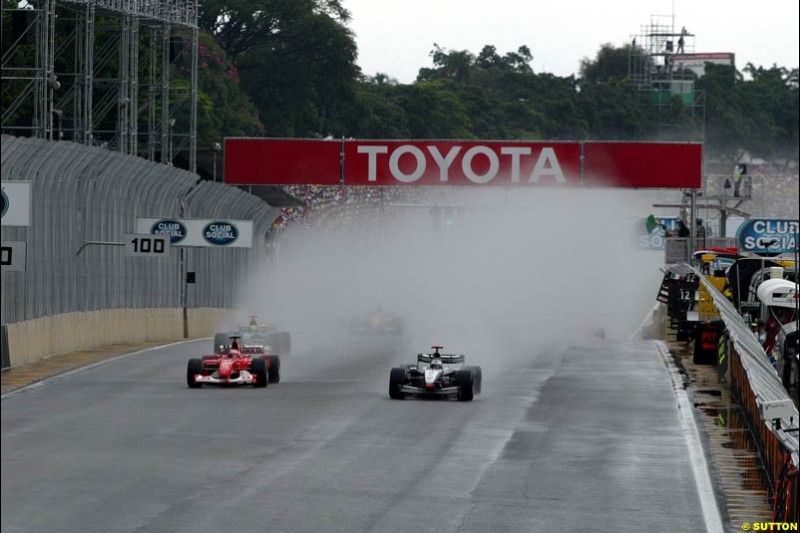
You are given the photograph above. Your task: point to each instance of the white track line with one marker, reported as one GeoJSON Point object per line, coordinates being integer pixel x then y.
{"type": "Point", "coordinates": [41, 383]}
{"type": "Point", "coordinates": [702, 477]}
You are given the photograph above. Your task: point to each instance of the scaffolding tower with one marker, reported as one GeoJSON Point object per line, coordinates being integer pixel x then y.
{"type": "Point", "coordinates": [663, 83]}
{"type": "Point", "coordinates": [121, 74]}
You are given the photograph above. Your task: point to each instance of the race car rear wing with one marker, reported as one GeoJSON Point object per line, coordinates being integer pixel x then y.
{"type": "Point", "coordinates": [246, 350]}
{"type": "Point", "coordinates": [252, 349]}
{"type": "Point", "coordinates": [447, 358]}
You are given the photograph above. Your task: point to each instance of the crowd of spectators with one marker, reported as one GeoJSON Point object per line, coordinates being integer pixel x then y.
{"type": "Point", "coordinates": [329, 208]}
{"type": "Point", "coordinates": [767, 192]}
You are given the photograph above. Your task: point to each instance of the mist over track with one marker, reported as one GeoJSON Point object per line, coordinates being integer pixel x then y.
{"type": "Point", "coordinates": [571, 432]}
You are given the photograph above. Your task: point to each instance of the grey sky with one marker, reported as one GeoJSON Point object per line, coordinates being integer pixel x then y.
{"type": "Point", "coordinates": [395, 37]}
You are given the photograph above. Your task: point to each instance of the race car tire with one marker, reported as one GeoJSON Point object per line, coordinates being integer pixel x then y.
{"type": "Point", "coordinates": [258, 367]}
{"type": "Point", "coordinates": [465, 379]}
{"type": "Point", "coordinates": [274, 368]}
{"type": "Point", "coordinates": [478, 377]}
{"type": "Point", "coordinates": [194, 367]}
{"type": "Point", "coordinates": [396, 379]}
{"type": "Point", "coordinates": [286, 342]}
{"type": "Point", "coordinates": [281, 341]}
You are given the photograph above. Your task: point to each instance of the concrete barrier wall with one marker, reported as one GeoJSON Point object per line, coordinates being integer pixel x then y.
{"type": "Point", "coordinates": [35, 339]}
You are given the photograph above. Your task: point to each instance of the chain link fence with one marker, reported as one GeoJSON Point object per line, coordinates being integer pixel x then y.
{"type": "Point", "coordinates": [82, 194]}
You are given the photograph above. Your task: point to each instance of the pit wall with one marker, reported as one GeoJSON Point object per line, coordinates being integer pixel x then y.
{"type": "Point", "coordinates": [38, 338]}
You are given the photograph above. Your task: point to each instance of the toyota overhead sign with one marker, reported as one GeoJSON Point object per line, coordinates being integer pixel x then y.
{"type": "Point", "coordinates": [472, 163]}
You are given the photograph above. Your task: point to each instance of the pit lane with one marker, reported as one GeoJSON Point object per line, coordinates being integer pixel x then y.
{"type": "Point", "coordinates": [587, 438]}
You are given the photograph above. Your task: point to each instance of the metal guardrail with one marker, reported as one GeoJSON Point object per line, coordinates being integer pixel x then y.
{"type": "Point", "coordinates": [754, 382]}
{"type": "Point", "coordinates": [84, 194]}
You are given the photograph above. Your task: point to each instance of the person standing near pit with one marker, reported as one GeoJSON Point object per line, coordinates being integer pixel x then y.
{"type": "Point", "coordinates": [739, 171]}
{"type": "Point", "coordinates": [700, 234]}
{"type": "Point", "coordinates": [683, 230]}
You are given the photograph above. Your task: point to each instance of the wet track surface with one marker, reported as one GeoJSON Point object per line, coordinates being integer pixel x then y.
{"type": "Point", "coordinates": [582, 439]}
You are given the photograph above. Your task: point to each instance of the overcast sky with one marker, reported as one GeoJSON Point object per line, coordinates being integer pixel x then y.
{"type": "Point", "coordinates": [396, 36]}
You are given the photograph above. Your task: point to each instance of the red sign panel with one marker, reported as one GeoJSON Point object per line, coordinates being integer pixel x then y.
{"type": "Point", "coordinates": [643, 165]}
{"type": "Point", "coordinates": [503, 163]}
{"type": "Point", "coordinates": [461, 163]}
{"type": "Point", "coordinates": [282, 162]}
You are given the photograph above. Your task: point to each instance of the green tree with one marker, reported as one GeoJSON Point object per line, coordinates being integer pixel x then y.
{"type": "Point", "coordinates": [223, 109]}
{"type": "Point", "coordinates": [610, 63]}
{"type": "Point", "coordinates": [611, 110]}
{"type": "Point", "coordinates": [435, 111]}
{"type": "Point", "coordinates": [240, 25]}
{"type": "Point", "coordinates": [758, 115]}
{"type": "Point", "coordinates": [770, 100]}
{"type": "Point", "coordinates": [727, 128]}
{"type": "Point", "coordinates": [296, 59]}
{"type": "Point", "coordinates": [453, 65]}
{"type": "Point", "coordinates": [374, 112]}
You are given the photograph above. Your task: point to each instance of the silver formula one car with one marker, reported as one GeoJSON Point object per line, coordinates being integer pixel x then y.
{"type": "Point", "coordinates": [436, 374]}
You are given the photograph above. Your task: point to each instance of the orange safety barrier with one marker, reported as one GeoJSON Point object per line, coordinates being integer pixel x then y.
{"type": "Point", "coordinates": [781, 479]}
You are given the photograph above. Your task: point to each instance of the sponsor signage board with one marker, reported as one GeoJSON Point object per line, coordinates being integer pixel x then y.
{"type": "Point", "coordinates": [461, 163]}
{"type": "Point", "coordinates": [147, 245]}
{"type": "Point", "coordinates": [471, 163]}
{"type": "Point", "coordinates": [697, 62]}
{"type": "Point", "coordinates": [653, 238]}
{"type": "Point", "coordinates": [773, 236]}
{"type": "Point", "coordinates": [284, 161]}
{"type": "Point", "coordinates": [15, 203]}
{"type": "Point", "coordinates": [13, 256]}
{"type": "Point", "coordinates": [211, 233]}
{"type": "Point", "coordinates": [643, 165]}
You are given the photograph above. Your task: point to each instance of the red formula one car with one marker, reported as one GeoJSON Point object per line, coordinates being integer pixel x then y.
{"type": "Point", "coordinates": [237, 365]}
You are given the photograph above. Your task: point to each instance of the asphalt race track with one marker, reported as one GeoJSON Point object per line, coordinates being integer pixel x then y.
{"type": "Point", "coordinates": [585, 439]}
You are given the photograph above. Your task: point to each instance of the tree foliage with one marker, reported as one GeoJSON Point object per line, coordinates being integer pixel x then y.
{"type": "Point", "coordinates": [223, 109]}
{"type": "Point", "coordinates": [610, 63]}
{"type": "Point", "coordinates": [288, 68]}
{"type": "Point", "coordinates": [296, 62]}
{"type": "Point", "coordinates": [296, 58]}
{"type": "Point", "coordinates": [754, 111]}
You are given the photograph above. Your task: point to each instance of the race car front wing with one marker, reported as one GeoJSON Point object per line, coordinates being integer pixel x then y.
{"type": "Point", "coordinates": [439, 391]}
{"type": "Point", "coordinates": [244, 378]}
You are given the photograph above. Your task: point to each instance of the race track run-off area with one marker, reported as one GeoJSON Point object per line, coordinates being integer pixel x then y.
{"type": "Point", "coordinates": [583, 438]}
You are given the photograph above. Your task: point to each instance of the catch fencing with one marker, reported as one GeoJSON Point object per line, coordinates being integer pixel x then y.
{"type": "Point", "coordinates": [82, 194]}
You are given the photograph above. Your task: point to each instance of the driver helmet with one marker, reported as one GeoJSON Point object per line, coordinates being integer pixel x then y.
{"type": "Point", "coordinates": [436, 363]}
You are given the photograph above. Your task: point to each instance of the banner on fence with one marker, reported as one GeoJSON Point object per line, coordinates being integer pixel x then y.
{"type": "Point", "coordinates": [210, 233]}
